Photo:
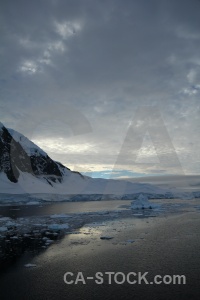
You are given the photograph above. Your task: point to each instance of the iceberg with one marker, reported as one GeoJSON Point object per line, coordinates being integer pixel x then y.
{"type": "Point", "coordinates": [142, 202]}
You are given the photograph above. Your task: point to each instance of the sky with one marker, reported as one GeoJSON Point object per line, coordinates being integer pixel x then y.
{"type": "Point", "coordinates": [110, 88]}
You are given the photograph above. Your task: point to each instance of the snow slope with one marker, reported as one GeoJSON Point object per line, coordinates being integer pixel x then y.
{"type": "Point", "coordinates": [27, 169]}
{"type": "Point", "coordinates": [27, 145]}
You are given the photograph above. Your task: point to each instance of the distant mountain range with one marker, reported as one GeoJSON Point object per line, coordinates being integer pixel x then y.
{"type": "Point", "coordinates": [27, 169]}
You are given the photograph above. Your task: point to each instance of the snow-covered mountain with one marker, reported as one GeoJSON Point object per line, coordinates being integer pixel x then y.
{"type": "Point", "coordinates": [17, 154]}
{"type": "Point", "coordinates": [25, 168]}
{"type": "Point", "coordinates": [22, 163]}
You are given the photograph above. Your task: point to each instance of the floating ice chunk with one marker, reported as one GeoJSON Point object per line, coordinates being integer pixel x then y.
{"type": "Point", "coordinates": [102, 212]}
{"type": "Point", "coordinates": [73, 232]}
{"type": "Point", "coordinates": [49, 241]}
{"type": "Point", "coordinates": [10, 223]}
{"type": "Point", "coordinates": [5, 219]}
{"type": "Point", "coordinates": [141, 202]}
{"type": "Point", "coordinates": [130, 241]}
{"type": "Point", "coordinates": [26, 235]}
{"type": "Point", "coordinates": [106, 237]}
{"type": "Point", "coordinates": [32, 203]}
{"type": "Point", "coordinates": [60, 216]}
{"type": "Point", "coordinates": [58, 226]}
{"type": "Point", "coordinates": [94, 224]}
{"type": "Point", "coordinates": [30, 265]}
{"type": "Point", "coordinates": [187, 196]}
{"type": "Point", "coordinates": [137, 214]}
{"type": "Point", "coordinates": [3, 229]}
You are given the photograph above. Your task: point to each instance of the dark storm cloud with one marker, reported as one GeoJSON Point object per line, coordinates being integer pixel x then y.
{"type": "Point", "coordinates": [104, 58]}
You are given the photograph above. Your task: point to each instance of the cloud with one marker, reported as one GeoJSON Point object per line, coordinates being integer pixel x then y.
{"type": "Point", "coordinates": [67, 29]}
{"type": "Point", "coordinates": [105, 59]}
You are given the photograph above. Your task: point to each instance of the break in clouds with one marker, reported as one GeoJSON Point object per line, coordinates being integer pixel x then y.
{"type": "Point", "coordinates": [76, 74]}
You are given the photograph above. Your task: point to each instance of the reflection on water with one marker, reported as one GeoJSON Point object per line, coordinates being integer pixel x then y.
{"type": "Point", "coordinates": [57, 208]}
{"type": "Point", "coordinates": [85, 220]}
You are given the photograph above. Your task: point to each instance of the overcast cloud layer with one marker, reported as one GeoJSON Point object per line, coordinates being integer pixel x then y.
{"type": "Point", "coordinates": [75, 76]}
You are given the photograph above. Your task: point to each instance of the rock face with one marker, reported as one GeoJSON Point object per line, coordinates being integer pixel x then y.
{"type": "Point", "coordinates": [17, 154]}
